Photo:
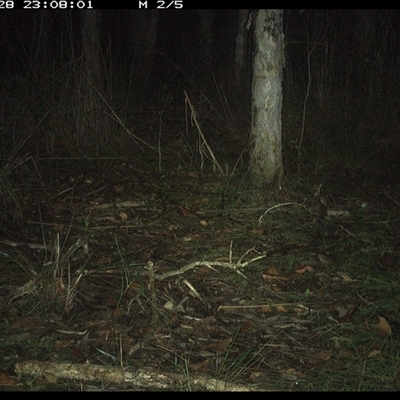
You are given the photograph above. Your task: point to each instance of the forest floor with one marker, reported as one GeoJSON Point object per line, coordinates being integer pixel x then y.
{"type": "Point", "coordinates": [125, 277]}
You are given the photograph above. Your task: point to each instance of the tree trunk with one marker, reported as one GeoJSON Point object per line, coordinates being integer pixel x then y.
{"type": "Point", "coordinates": [266, 132]}
{"type": "Point", "coordinates": [92, 131]}
{"type": "Point", "coordinates": [241, 49]}
{"type": "Point", "coordinates": [150, 41]}
{"type": "Point", "coordinates": [207, 19]}
{"type": "Point", "coordinates": [144, 29]}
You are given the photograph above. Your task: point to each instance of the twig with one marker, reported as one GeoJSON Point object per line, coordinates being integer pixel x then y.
{"type": "Point", "coordinates": [155, 317]}
{"type": "Point", "coordinates": [214, 160]}
{"type": "Point", "coordinates": [153, 294]}
{"type": "Point", "coordinates": [236, 266]}
{"type": "Point", "coordinates": [385, 192]}
{"type": "Point", "coordinates": [281, 205]}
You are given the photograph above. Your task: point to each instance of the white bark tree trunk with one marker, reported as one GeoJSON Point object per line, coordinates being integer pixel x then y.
{"type": "Point", "coordinates": [266, 132]}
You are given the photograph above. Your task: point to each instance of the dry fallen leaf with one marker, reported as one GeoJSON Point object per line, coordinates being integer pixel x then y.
{"type": "Point", "coordinates": [6, 379]}
{"type": "Point", "coordinates": [62, 344]}
{"type": "Point", "coordinates": [264, 309]}
{"type": "Point", "coordinates": [324, 259]}
{"type": "Point", "coordinates": [323, 355]}
{"type": "Point", "coordinates": [220, 346]}
{"type": "Point", "coordinates": [272, 270]}
{"type": "Point", "coordinates": [341, 311]}
{"type": "Point", "coordinates": [186, 212]}
{"type": "Point", "coordinates": [272, 277]}
{"type": "Point", "coordinates": [383, 329]}
{"type": "Point", "coordinates": [293, 374]}
{"type": "Point", "coordinates": [374, 354]}
{"type": "Point", "coordinates": [257, 231]}
{"type": "Point", "coordinates": [104, 260]}
{"type": "Point", "coordinates": [282, 309]}
{"type": "Point", "coordinates": [304, 269]}
{"type": "Point", "coordinates": [201, 365]}
{"type": "Point", "coordinates": [50, 378]}
{"type": "Point", "coordinates": [118, 188]}
{"type": "Point", "coordinates": [123, 216]}
{"type": "Point", "coordinates": [346, 319]}
{"type": "Point", "coordinates": [345, 277]}
{"type": "Point", "coordinates": [25, 323]}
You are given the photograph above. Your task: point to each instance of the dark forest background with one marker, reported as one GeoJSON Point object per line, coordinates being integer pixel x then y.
{"type": "Point", "coordinates": [341, 86]}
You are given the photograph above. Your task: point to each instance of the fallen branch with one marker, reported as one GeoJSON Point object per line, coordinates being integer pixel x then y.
{"type": "Point", "coordinates": [137, 378]}
{"type": "Point", "coordinates": [209, 264]}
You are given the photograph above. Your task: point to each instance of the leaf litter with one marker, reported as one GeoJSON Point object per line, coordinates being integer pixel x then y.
{"type": "Point", "coordinates": [144, 281]}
